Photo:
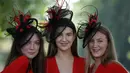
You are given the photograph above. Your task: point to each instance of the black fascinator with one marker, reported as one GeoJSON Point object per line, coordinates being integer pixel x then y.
{"type": "Point", "coordinates": [22, 24]}
{"type": "Point", "coordinates": [57, 17]}
{"type": "Point", "coordinates": [88, 29]}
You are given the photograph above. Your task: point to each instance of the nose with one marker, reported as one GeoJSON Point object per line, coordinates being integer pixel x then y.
{"type": "Point", "coordinates": [31, 46]}
{"type": "Point", "coordinates": [63, 38]}
{"type": "Point", "coordinates": [95, 44]}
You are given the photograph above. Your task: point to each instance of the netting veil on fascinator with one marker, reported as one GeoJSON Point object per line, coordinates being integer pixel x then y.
{"type": "Point", "coordinates": [21, 24]}
{"type": "Point", "coordinates": [57, 16]}
{"type": "Point", "coordinates": [88, 29]}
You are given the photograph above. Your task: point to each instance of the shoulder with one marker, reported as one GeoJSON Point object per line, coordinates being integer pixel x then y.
{"type": "Point", "coordinates": [114, 64]}
{"type": "Point", "coordinates": [79, 60]}
{"type": "Point", "coordinates": [20, 60]}
{"type": "Point", "coordinates": [50, 60]}
{"type": "Point", "coordinates": [19, 65]}
{"type": "Point", "coordinates": [51, 66]}
{"type": "Point", "coordinates": [79, 65]}
{"type": "Point", "coordinates": [23, 58]}
{"type": "Point", "coordinates": [117, 67]}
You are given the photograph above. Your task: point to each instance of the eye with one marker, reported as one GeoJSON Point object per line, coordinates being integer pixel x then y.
{"type": "Point", "coordinates": [69, 34]}
{"type": "Point", "coordinates": [37, 42]}
{"type": "Point", "coordinates": [100, 40]}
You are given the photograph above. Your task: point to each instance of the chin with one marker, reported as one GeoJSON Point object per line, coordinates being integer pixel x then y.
{"type": "Point", "coordinates": [96, 55]}
{"type": "Point", "coordinates": [64, 49]}
{"type": "Point", "coordinates": [31, 56]}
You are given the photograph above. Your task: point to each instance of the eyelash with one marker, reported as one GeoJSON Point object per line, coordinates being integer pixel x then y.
{"type": "Point", "coordinates": [37, 42]}
{"type": "Point", "coordinates": [97, 40]}
{"type": "Point", "coordinates": [69, 34]}
{"type": "Point", "coordinates": [66, 34]}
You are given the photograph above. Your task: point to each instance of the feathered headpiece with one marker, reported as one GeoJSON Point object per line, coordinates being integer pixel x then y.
{"type": "Point", "coordinates": [21, 23]}
{"type": "Point", "coordinates": [88, 29]}
{"type": "Point", "coordinates": [57, 17]}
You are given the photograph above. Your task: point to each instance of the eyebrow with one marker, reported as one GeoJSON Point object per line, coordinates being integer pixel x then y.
{"type": "Point", "coordinates": [37, 40]}
{"type": "Point", "coordinates": [97, 38]}
{"type": "Point", "coordinates": [69, 32]}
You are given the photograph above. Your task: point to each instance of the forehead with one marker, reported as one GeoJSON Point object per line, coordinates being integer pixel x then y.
{"type": "Point", "coordinates": [99, 35]}
{"type": "Point", "coordinates": [34, 37]}
{"type": "Point", "coordinates": [65, 30]}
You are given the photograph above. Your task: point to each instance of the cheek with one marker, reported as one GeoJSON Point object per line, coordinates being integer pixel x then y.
{"type": "Point", "coordinates": [24, 50]}
{"type": "Point", "coordinates": [105, 45]}
{"type": "Point", "coordinates": [71, 38]}
{"type": "Point", "coordinates": [37, 47]}
{"type": "Point", "coordinates": [89, 46]}
{"type": "Point", "coordinates": [37, 51]}
{"type": "Point", "coordinates": [58, 39]}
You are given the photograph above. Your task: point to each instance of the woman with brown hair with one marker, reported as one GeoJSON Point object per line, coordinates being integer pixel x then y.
{"type": "Point", "coordinates": [27, 54]}
{"type": "Point", "coordinates": [100, 46]}
{"type": "Point", "coordinates": [62, 51]}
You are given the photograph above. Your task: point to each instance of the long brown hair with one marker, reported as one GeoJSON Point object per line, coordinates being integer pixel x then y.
{"type": "Point", "coordinates": [38, 62]}
{"type": "Point", "coordinates": [52, 49]}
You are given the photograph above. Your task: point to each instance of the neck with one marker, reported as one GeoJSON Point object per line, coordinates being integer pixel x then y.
{"type": "Point", "coordinates": [97, 62]}
{"type": "Point", "coordinates": [30, 60]}
{"type": "Point", "coordinates": [64, 55]}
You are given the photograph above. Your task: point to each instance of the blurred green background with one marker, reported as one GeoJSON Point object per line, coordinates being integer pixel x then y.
{"type": "Point", "coordinates": [115, 14]}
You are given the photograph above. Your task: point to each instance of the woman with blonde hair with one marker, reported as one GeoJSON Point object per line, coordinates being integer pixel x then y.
{"type": "Point", "coordinates": [99, 43]}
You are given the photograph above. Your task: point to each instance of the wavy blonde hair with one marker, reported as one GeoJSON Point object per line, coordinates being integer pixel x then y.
{"type": "Point", "coordinates": [110, 53]}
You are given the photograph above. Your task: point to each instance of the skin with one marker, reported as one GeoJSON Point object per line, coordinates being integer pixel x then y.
{"type": "Point", "coordinates": [98, 46]}
{"type": "Point", "coordinates": [65, 40]}
{"type": "Point", "coordinates": [31, 49]}
{"type": "Point", "coordinates": [64, 57]}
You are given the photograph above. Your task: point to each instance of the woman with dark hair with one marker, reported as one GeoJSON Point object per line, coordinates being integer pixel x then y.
{"type": "Point", "coordinates": [98, 41]}
{"type": "Point", "coordinates": [62, 54]}
{"type": "Point", "coordinates": [27, 54]}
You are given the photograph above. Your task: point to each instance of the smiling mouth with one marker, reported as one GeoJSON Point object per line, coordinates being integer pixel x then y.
{"type": "Point", "coordinates": [63, 44]}
{"type": "Point", "coordinates": [96, 50]}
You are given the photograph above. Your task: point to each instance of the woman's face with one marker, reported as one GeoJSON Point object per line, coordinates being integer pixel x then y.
{"type": "Point", "coordinates": [31, 49]}
{"type": "Point", "coordinates": [65, 40]}
{"type": "Point", "coordinates": [98, 45]}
